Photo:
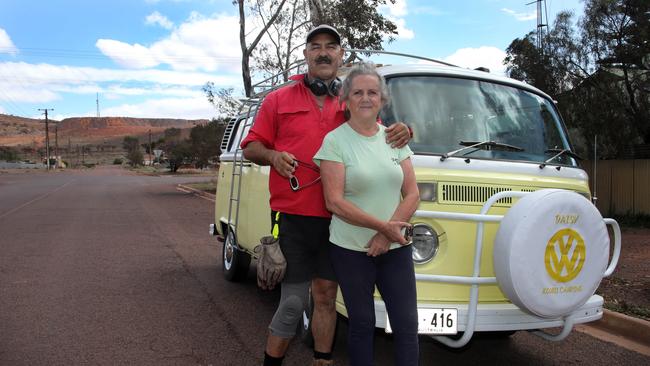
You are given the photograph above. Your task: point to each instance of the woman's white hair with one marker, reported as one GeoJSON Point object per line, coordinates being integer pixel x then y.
{"type": "Point", "coordinates": [364, 68]}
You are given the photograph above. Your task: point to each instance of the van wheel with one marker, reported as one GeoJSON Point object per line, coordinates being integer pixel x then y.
{"type": "Point", "coordinates": [235, 262]}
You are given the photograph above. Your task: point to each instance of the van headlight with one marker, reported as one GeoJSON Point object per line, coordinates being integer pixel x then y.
{"type": "Point", "coordinates": [424, 243]}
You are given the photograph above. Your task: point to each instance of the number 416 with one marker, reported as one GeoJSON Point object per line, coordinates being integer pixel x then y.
{"type": "Point", "coordinates": [445, 320]}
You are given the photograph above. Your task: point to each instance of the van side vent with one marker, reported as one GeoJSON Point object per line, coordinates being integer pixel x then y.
{"type": "Point", "coordinates": [227, 133]}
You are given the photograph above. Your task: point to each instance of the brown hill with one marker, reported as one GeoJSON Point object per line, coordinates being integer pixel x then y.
{"type": "Point", "coordinates": [19, 131]}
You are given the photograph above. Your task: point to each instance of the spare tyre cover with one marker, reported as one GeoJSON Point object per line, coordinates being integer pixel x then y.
{"type": "Point", "coordinates": [550, 252]}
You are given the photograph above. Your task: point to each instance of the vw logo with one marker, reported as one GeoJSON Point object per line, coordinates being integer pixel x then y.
{"type": "Point", "coordinates": [565, 255]}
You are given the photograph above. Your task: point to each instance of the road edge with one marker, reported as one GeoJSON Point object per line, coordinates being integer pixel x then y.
{"type": "Point", "coordinates": [196, 192]}
{"type": "Point", "coordinates": [623, 330]}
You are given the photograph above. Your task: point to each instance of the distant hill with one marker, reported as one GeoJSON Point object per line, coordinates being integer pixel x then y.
{"type": "Point", "coordinates": [17, 131]}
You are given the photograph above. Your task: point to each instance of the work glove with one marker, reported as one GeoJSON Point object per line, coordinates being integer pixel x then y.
{"type": "Point", "coordinates": [271, 264]}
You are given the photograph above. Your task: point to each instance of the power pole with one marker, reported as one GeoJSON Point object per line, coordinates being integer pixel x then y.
{"type": "Point", "coordinates": [97, 101]}
{"type": "Point", "coordinates": [56, 145]}
{"type": "Point", "coordinates": [150, 161]}
{"type": "Point", "coordinates": [47, 137]}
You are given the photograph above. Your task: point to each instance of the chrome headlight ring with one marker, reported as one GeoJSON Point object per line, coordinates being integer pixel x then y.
{"type": "Point", "coordinates": [424, 244]}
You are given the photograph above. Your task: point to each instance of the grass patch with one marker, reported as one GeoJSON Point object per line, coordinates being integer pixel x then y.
{"type": "Point", "coordinates": [627, 309]}
{"type": "Point", "coordinates": [210, 186]}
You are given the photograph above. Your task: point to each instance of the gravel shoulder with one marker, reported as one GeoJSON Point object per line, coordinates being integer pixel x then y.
{"type": "Point", "coordinates": [628, 289]}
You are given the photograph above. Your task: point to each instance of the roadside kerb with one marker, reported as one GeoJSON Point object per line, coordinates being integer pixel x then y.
{"type": "Point", "coordinates": [197, 192]}
{"type": "Point", "coordinates": [621, 329]}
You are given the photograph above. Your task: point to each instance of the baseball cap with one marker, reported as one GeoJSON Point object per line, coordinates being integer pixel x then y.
{"type": "Point", "coordinates": [324, 28]}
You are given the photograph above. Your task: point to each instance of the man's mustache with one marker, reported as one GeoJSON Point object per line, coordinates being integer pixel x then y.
{"type": "Point", "coordinates": [323, 60]}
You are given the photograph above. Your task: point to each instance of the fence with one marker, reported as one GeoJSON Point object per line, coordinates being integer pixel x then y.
{"type": "Point", "coordinates": [622, 186]}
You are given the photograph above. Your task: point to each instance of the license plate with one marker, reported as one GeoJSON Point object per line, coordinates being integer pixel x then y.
{"type": "Point", "coordinates": [434, 321]}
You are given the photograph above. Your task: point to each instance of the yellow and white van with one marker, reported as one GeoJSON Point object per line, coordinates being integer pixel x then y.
{"type": "Point", "coordinates": [505, 237]}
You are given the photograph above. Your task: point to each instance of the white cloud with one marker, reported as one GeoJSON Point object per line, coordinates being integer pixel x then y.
{"type": "Point", "coordinates": [200, 43]}
{"type": "Point", "coordinates": [190, 108]}
{"type": "Point", "coordinates": [398, 9]}
{"type": "Point", "coordinates": [404, 32]}
{"type": "Point", "coordinates": [490, 57]}
{"type": "Point", "coordinates": [24, 82]}
{"type": "Point", "coordinates": [6, 45]}
{"type": "Point", "coordinates": [161, 20]}
{"type": "Point", "coordinates": [130, 56]}
{"type": "Point", "coordinates": [522, 17]}
{"type": "Point", "coordinates": [2, 110]}
{"type": "Point", "coordinates": [396, 13]}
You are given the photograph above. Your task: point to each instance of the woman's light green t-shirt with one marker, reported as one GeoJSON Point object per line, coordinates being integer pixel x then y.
{"type": "Point", "coordinates": [373, 180]}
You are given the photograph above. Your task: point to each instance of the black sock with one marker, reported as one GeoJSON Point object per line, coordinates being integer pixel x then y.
{"type": "Point", "coordinates": [322, 355]}
{"type": "Point", "coordinates": [272, 361]}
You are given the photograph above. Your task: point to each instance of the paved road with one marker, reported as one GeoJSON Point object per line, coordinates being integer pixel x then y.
{"type": "Point", "coordinates": [103, 267]}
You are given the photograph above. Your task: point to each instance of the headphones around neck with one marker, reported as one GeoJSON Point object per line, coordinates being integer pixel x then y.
{"type": "Point", "coordinates": [320, 88]}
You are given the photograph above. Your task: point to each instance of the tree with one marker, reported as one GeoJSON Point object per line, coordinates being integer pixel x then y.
{"type": "Point", "coordinates": [170, 144]}
{"type": "Point", "coordinates": [8, 154]}
{"type": "Point", "coordinates": [205, 142]}
{"type": "Point", "coordinates": [548, 68]}
{"type": "Point", "coordinates": [222, 100]}
{"type": "Point", "coordinates": [616, 32]}
{"type": "Point", "coordinates": [132, 146]}
{"type": "Point", "coordinates": [359, 22]}
{"type": "Point", "coordinates": [179, 153]}
{"type": "Point", "coordinates": [247, 49]}
{"type": "Point", "coordinates": [286, 37]}
{"type": "Point", "coordinates": [597, 73]}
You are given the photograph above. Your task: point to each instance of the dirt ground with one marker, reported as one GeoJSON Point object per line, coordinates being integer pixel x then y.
{"type": "Point", "coordinates": [628, 289]}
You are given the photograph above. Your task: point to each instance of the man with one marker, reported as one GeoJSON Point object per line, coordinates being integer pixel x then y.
{"type": "Point", "coordinates": [288, 130]}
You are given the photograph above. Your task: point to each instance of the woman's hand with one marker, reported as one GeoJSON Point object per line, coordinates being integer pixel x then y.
{"type": "Point", "coordinates": [393, 231]}
{"type": "Point", "coordinates": [378, 245]}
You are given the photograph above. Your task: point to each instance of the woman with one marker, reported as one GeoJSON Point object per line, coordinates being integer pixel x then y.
{"type": "Point", "coordinates": [370, 189]}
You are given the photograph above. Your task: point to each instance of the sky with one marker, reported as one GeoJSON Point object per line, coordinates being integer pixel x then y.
{"type": "Point", "coordinates": [150, 58]}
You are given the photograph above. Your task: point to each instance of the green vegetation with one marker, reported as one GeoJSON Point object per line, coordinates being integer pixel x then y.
{"type": "Point", "coordinates": [633, 220]}
{"type": "Point", "coordinates": [210, 187]}
{"type": "Point", "coordinates": [8, 154]}
{"type": "Point", "coordinates": [133, 153]}
{"type": "Point", "coordinates": [627, 309]}
{"type": "Point", "coordinates": [597, 68]}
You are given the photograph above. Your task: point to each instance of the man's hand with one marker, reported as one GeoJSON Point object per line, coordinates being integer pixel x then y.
{"type": "Point", "coordinates": [398, 135]}
{"type": "Point", "coordinates": [282, 162]}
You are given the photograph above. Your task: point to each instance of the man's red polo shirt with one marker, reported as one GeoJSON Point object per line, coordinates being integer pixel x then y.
{"type": "Point", "coordinates": [290, 120]}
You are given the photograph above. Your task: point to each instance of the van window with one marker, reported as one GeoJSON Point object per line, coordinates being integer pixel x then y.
{"type": "Point", "coordinates": [444, 111]}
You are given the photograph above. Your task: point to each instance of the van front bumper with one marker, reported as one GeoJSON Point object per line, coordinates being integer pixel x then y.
{"type": "Point", "coordinates": [505, 316]}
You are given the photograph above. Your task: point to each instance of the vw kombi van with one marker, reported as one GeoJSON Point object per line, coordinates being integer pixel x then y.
{"type": "Point", "coordinates": [505, 237]}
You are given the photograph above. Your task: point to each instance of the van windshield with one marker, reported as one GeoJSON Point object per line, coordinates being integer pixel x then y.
{"type": "Point", "coordinates": [447, 113]}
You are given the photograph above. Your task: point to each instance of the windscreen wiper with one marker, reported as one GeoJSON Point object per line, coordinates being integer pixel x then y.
{"type": "Point", "coordinates": [558, 153]}
{"type": "Point", "coordinates": [481, 145]}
